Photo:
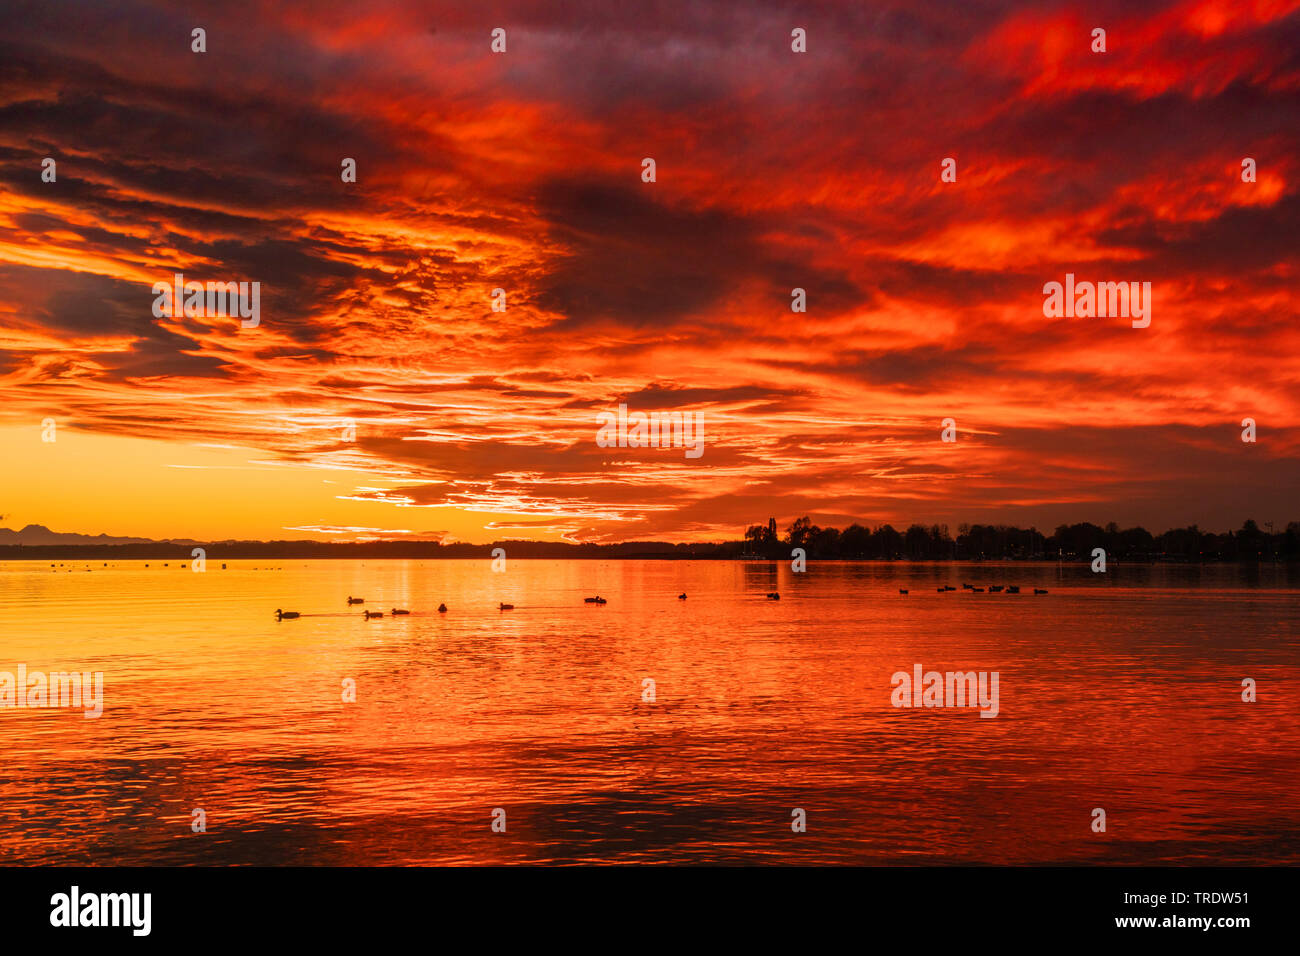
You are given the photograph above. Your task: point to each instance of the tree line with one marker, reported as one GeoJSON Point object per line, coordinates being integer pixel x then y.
{"type": "Point", "coordinates": [1005, 542]}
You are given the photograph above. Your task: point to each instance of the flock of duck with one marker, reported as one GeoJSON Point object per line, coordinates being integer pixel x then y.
{"type": "Point", "coordinates": [283, 615]}
{"type": "Point", "coordinates": [992, 589]}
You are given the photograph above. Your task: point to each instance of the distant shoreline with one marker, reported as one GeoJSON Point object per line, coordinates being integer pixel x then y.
{"type": "Point", "coordinates": [527, 551]}
{"type": "Point", "coordinates": [803, 541]}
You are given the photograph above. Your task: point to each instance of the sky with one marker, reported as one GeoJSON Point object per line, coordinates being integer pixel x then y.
{"type": "Point", "coordinates": [381, 395]}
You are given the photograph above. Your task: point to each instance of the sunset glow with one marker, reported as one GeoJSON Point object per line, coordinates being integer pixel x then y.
{"type": "Point", "coordinates": [522, 172]}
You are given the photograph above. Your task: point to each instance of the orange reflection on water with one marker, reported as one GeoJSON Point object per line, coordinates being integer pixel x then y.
{"type": "Point", "coordinates": [1122, 693]}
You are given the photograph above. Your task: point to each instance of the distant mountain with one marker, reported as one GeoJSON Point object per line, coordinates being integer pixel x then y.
{"type": "Point", "coordinates": [35, 535]}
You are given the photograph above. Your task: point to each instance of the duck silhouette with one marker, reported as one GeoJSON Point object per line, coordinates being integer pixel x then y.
{"type": "Point", "coordinates": [773, 596]}
{"type": "Point", "coordinates": [285, 615]}
{"type": "Point", "coordinates": [1040, 590]}
{"type": "Point", "coordinates": [507, 607]}
{"type": "Point", "coordinates": [682, 596]}
{"type": "Point", "coordinates": [353, 600]}
{"type": "Point", "coordinates": [397, 611]}
{"type": "Point", "coordinates": [442, 609]}
{"type": "Point", "coordinates": [902, 590]}
{"type": "Point", "coordinates": [594, 600]}
{"type": "Point", "coordinates": [370, 614]}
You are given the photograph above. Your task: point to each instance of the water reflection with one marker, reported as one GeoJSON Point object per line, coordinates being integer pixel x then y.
{"type": "Point", "coordinates": [1120, 691]}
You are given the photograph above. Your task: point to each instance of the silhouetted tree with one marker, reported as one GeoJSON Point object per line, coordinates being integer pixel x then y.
{"type": "Point", "coordinates": [888, 542]}
{"type": "Point", "coordinates": [800, 532]}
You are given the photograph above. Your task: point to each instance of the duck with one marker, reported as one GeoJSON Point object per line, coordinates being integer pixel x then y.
{"type": "Point", "coordinates": [285, 615]}
{"type": "Point", "coordinates": [902, 590]}
{"type": "Point", "coordinates": [977, 590]}
{"type": "Point", "coordinates": [397, 611]}
{"type": "Point", "coordinates": [773, 596]}
{"type": "Point", "coordinates": [949, 587]}
{"type": "Point", "coordinates": [1013, 588]}
{"type": "Point", "coordinates": [370, 614]}
{"type": "Point", "coordinates": [507, 607]}
{"type": "Point", "coordinates": [995, 588]}
{"type": "Point", "coordinates": [682, 596]}
{"type": "Point", "coordinates": [594, 600]}
{"type": "Point", "coordinates": [442, 609]}
{"type": "Point", "coordinates": [353, 600]}
{"type": "Point", "coordinates": [1040, 590]}
{"type": "Point", "coordinates": [941, 590]}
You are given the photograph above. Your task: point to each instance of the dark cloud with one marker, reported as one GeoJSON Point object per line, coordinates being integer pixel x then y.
{"type": "Point", "coordinates": [641, 262]}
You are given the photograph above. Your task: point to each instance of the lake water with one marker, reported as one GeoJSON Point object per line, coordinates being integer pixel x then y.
{"type": "Point", "coordinates": [1120, 691]}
